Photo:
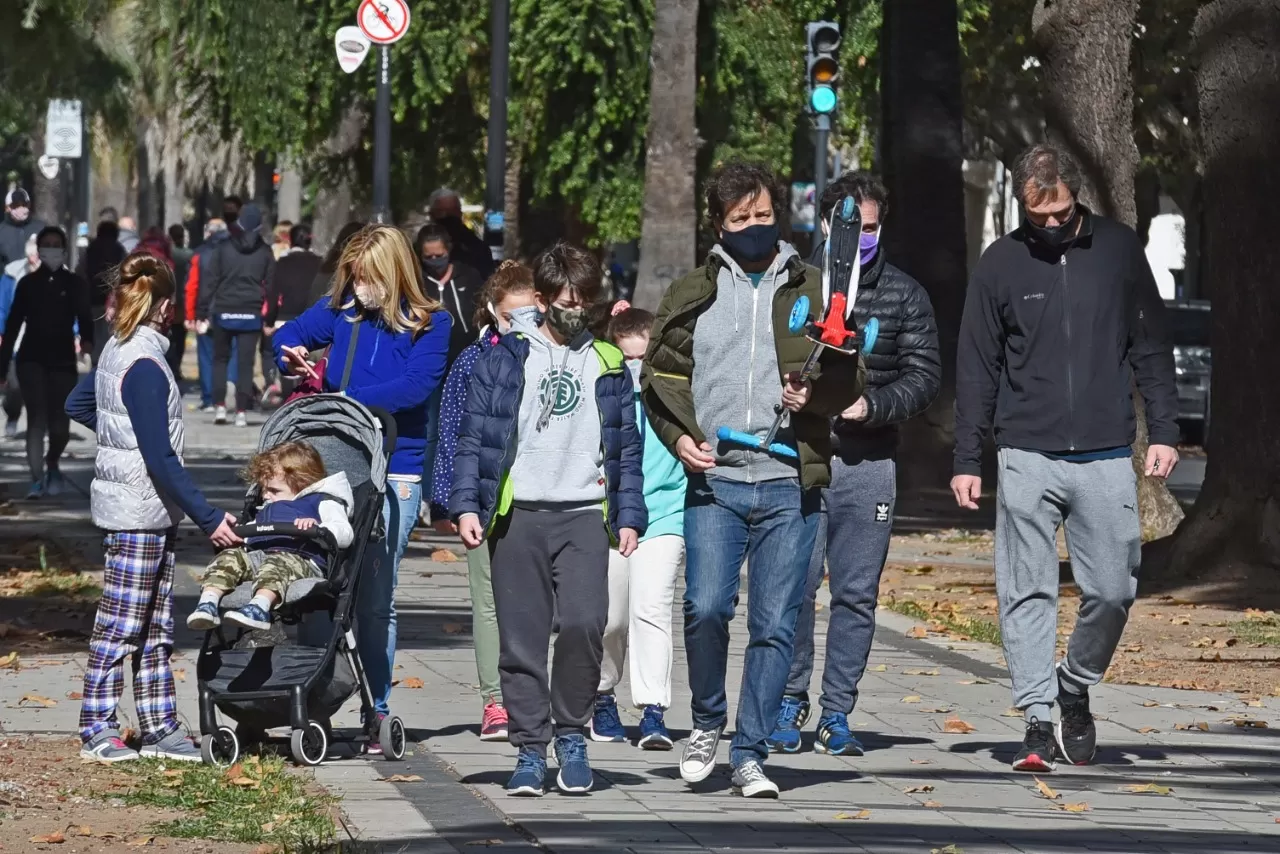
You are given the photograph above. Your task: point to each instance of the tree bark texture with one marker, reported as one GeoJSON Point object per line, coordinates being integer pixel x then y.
{"type": "Point", "coordinates": [1237, 517]}
{"type": "Point", "coordinates": [171, 169]}
{"type": "Point", "coordinates": [289, 197]}
{"type": "Point", "coordinates": [334, 202]}
{"type": "Point", "coordinates": [1084, 49]}
{"type": "Point", "coordinates": [924, 233]}
{"type": "Point", "coordinates": [511, 198]}
{"type": "Point", "coordinates": [668, 233]}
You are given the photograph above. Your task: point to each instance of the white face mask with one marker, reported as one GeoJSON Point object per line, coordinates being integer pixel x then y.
{"type": "Point", "coordinates": [634, 365]}
{"type": "Point", "coordinates": [368, 296]}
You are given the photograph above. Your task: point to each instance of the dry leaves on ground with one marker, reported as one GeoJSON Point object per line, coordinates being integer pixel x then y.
{"type": "Point", "coordinates": [915, 790]}
{"type": "Point", "coordinates": [36, 700]}
{"type": "Point", "coordinates": [452, 628]}
{"type": "Point", "coordinates": [921, 761]}
{"type": "Point", "coordinates": [1045, 792]}
{"type": "Point", "coordinates": [879, 668]}
{"type": "Point", "coordinates": [55, 838]}
{"type": "Point", "coordinates": [1147, 729]}
{"type": "Point", "coordinates": [917, 671]}
{"type": "Point", "coordinates": [1072, 807]}
{"type": "Point", "coordinates": [933, 805]}
{"type": "Point", "coordinates": [402, 778]}
{"type": "Point", "coordinates": [1200, 725]}
{"type": "Point", "coordinates": [911, 698]}
{"type": "Point", "coordinates": [917, 632]}
{"type": "Point", "coordinates": [9, 661]}
{"type": "Point", "coordinates": [443, 556]}
{"type": "Point", "coordinates": [1011, 713]}
{"type": "Point", "coordinates": [957, 726]}
{"type": "Point", "coordinates": [1146, 789]}
{"type": "Point", "coordinates": [411, 682]}
{"type": "Point", "coordinates": [950, 849]}
{"type": "Point", "coordinates": [1249, 723]}
{"type": "Point", "coordinates": [978, 681]}
{"type": "Point", "coordinates": [860, 815]}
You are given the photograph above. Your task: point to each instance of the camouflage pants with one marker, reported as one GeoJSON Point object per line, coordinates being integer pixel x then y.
{"type": "Point", "coordinates": [273, 571]}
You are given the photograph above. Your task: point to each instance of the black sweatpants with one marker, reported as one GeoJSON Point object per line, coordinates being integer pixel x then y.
{"type": "Point", "coordinates": [45, 391]}
{"type": "Point", "coordinates": [247, 351]}
{"type": "Point", "coordinates": [13, 395]}
{"type": "Point", "coordinates": [546, 564]}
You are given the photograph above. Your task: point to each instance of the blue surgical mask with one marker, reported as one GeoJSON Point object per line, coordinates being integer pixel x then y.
{"type": "Point", "coordinates": [527, 317]}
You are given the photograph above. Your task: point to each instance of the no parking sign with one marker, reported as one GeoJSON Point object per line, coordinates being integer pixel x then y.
{"type": "Point", "coordinates": [383, 21]}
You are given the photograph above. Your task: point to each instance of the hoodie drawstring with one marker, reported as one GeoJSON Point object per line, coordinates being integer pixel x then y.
{"type": "Point", "coordinates": [553, 393]}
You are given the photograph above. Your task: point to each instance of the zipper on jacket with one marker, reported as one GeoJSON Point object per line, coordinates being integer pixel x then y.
{"type": "Point", "coordinates": [751, 364]}
{"type": "Point", "coordinates": [503, 471]}
{"type": "Point", "coordinates": [1066, 320]}
{"type": "Point", "coordinates": [458, 302]}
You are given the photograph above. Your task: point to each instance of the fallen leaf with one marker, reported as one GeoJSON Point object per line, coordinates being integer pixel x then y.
{"type": "Point", "coordinates": [918, 570]}
{"type": "Point", "coordinates": [1011, 713]}
{"type": "Point", "coordinates": [82, 830]}
{"type": "Point", "coordinates": [236, 770]}
{"type": "Point", "coordinates": [978, 681]}
{"type": "Point", "coordinates": [36, 699]}
{"type": "Point", "coordinates": [917, 632]}
{"type": "Point", "coordinates": [955, 725]}
{"type": "Point", "coordinates": [173, 772]}
{"type": "Point", "coordinates": [1150, 704]}
{"type": "Point", "coordinates": [452, 628]}
{"type": "Point", "coordinates": [879, 668]}
{"type": "Point", "coordinates": [860, 815]}
{"type": "Point", "coordinates": [180, 674]}
{"type": "Point", "coordinates": [1073, 807]}
{"type": "Point", "coordinates": [1225, 644]}
{"type": "Point", "coordinates": [1244, 724]}
{"type": "Point", "coordinates": [1043, 788]}
{"type": "Point", "coordinates": [267, 848]}
{"type": "Point", "coordinates": [1200, 725]}
{"type": "Point", "coordinates": [55, 838]}
{"type": "Point", "coordinates": [913, 698]}
{"type": "Point", "coordinates": [1202, 643]}
{"type": "Point", "coordinates": [1148, 729]}
{"type": "Point", "coordinates": [268, 827]}
{"type": "Point", "coordinates": [412, 682]}
{"type": "Point", "coordinates": [443, 556]}
{"type": "Point", "coordinates": [1257, 704]}
{"type": "Point", "coordinates": [245, 782]}
{"type": "Point", "coordinates": [921, 761]}
{"type": "Point", "coordinates": [1146, 788]}
{"type": "Point", "coordinates": [915, 671]}
{"type": "Point", "coordinates": [141, 842]}
{"type": "Point", "coordinates": [402, 778]}
{"type": "Point", "coordinates": [74, 695]}
{"type": "Point", "coordinates": [912, 790]}
{"type": "Point", "coordinates": [10, 660]}
{"type": "Point", "coordinates": [945, 710]}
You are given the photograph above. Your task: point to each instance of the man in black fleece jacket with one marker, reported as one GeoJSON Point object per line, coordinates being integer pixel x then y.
{"type": "Point", "coordinates": [903, 375]}
{"type": "Point", "coordinates": [1062, 316]}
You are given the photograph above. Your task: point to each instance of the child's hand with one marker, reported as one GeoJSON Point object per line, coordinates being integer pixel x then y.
{"type": "Point", "coordinates": [224, 537]}
{"type": "Point", "coordinates": [628, 539]}
{"type": "Point", "coordinates": [470, 531]}
{"type": "Point", "coordinates": [304, 524]}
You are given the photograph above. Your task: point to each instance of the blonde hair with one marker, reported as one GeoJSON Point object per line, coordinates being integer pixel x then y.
{"type": "Point", "coordinates": [140, 283]}
{"type": "Point", "coordinates": [382, 255]}
{"type": "Point", "coordinates": [297, 463]}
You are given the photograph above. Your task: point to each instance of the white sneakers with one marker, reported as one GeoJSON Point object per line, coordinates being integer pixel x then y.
{"type": "Point", "coordinates": [699, 758]}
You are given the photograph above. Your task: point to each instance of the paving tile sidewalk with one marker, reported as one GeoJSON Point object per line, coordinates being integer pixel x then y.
{"type": "Point", "coordinates": [1225, 782]}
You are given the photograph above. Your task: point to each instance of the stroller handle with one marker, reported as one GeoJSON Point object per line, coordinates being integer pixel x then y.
{"type": "Point", "coordinates": [388, 428]}
{"type": "Point", "coordinates": [253, 529]}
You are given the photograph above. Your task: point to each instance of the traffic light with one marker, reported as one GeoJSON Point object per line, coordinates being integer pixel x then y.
{"type": "Point", "coordinates": [822, 39]}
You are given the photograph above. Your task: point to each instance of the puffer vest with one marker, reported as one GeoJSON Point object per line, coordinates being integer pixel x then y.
{"type": "Point", "coordinates": [123, 496]}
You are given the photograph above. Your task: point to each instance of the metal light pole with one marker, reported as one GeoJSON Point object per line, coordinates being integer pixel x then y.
{"type": "Point", "coordinates": [382, 139]}
{"type": "Point", "coordinates": [496, 160]}
{"type": "Point", "coordinates": [823, 130]}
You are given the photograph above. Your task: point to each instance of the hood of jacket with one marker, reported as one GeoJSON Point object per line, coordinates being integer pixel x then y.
{"type": "Point", "coordinates": [334, 486]}
{"type": "Point", "coordinates": [247, 242]}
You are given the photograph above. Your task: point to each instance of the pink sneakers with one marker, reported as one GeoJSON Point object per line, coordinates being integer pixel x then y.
{"type": "Point", "coordinates": [493, 724]}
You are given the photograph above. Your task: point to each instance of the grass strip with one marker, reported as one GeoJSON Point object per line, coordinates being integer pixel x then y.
{"type": "Point", "coordinates": [972, 628]}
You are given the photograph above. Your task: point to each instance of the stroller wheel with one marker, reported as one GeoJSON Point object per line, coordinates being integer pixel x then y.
{"type": "Point", "coordinates": [221, 748]}
{"type": "Point", "coordinates": [310, 745]}
{"type": "Point", "coordinates": [391, 737]}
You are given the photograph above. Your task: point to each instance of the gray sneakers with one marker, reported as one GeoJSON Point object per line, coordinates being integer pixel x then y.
{"type": "Point", "coordinates": [176, 745]}
{"type": "Point", "coordinates": [699, 758]}
{"type": "Point", "coordinates": [107, 746]}
{"type": "Point", "coordinates": [749, 779]}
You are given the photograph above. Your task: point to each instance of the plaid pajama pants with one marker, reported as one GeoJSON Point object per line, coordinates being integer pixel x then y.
{"type": "Point", "coordinates": [135, 619]}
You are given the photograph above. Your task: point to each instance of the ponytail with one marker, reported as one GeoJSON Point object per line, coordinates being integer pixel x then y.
{"type": "Point", "coordinates": [141, 282]}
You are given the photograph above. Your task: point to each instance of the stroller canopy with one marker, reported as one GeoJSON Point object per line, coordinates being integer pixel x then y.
{"type": "Point", "coordinates": [348, 437]}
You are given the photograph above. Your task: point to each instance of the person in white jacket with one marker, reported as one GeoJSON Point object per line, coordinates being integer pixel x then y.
{"type": "Point", "coordinates": [297, 492]}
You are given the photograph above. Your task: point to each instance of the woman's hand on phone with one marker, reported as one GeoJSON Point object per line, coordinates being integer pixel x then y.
{"type": "Point", "coordinates": [299, 366]}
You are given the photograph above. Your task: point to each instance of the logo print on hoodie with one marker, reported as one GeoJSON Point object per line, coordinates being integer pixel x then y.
{"type": "Point", "coordinates": [568, 391]}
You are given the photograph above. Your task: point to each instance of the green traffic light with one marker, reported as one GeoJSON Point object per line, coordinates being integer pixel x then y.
{"type": "Point", "coordinates": [822, 99]}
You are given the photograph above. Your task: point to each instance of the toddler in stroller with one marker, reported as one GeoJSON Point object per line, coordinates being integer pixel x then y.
{"type": "Point", "coordinates": [291, 480]}
{"type": "Point", "coordinates": [301, 679]}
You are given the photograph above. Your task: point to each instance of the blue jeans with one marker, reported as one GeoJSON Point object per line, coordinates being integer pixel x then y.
{"type": "Point", "coordinates": [204, 361]}
{"type": "Point", "coordinates": [772, 525]}
{"type": "Point", "coordinates": [852, 545]}
{"type": "Point", "coordinates": [375, 599]}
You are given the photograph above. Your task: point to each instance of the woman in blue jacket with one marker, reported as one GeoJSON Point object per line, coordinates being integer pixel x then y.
{"type": "Point", "coordinates": [388, 344]}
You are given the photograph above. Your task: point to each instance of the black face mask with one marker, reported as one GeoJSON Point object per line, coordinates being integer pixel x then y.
{"type": "Point", "coordinates": [435, 266]}
{"type": "Point", "coordinates": [751, 244]}
{"type": "Point", "coordinates": [1055, 236]}
{"type": "Point", "coordinates": [230, 216]}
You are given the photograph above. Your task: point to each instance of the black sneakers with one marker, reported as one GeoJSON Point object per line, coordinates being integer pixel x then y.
{"type": "Point", "coordinates": [1037, 748]}
{"type": "Point", "coordinates": [1077, 736]}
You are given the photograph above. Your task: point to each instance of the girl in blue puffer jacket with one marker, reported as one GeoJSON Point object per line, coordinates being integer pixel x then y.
{"type": "Point", "coordinates": [548, 469]}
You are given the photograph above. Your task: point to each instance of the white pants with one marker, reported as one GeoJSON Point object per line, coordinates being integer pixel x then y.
{"type": "Point", "coordinates": [642, 591]}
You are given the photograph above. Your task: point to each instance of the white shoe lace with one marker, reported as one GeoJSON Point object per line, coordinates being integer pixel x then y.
{"type": "Point", "coordinates": [750, 772]}
{"type": "Point", "coordinates": [702, 744]}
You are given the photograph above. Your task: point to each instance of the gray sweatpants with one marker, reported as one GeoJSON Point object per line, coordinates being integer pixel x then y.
{"type": "Point", "coordinates": [548, 564]}
{"type": "Point", "coordinates": [1098, 503]}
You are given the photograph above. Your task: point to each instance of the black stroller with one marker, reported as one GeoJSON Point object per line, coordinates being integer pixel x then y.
{"type": "Point", "coordinates": [275, 683]}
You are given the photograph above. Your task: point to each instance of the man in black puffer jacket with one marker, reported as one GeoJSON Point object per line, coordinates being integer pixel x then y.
{"type": "Point", "coordinates": [903, 376]}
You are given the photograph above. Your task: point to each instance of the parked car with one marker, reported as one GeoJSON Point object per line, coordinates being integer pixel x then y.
{"type": "Point", "coordinates": [1189, 328]}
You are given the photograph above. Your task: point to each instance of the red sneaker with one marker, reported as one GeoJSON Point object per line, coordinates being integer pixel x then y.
{"type": "Point", "coordinates": [493, 723]}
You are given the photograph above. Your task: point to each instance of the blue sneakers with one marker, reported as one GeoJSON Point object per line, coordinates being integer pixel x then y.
{"type": "Point", "coordinates": [791, 717]}
{"type": "Point", "coordinates": [250, 616]}
{"type": "Point", "coordinates": [575, 772]}
{"type": "Point", "coordinates": [204, 618]}
{"type": "Point", "coordinates": [605, 723]}
{"type": "Point", "coordinates": [834, 736]}
{"type": "Point", "coordinates": [529, 779]}
{"type": "Point", "coordinates": [653, 730]}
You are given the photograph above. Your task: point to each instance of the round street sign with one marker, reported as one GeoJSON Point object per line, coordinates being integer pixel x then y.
{"type": "Point", "coordinates": [383, 21]}
{"type": "Point", "coordinates": [352, 48]}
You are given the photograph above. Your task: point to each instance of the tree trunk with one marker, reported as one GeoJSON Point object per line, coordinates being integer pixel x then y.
{"type": "Point", "coordinates": [924, 234]}
{"type": "Point", "coordinates": [289, 198]}
{"type": "Point", "coordinates": [145, 188]}
{"type": "Point", "coordinates": [334, 202]}
{"type": "Point", "coordinates": [1237, 517]}
{"type": "Point", "coordinates": [1088, 100]}
{"type": "Point", "coordinates": [511, 198]}
{"type": "Point", "coordinates": [668, 234]}
{"type": "Point", "coordinates": [174, 195]}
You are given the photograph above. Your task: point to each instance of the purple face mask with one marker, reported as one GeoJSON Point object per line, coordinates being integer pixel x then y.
{"type": "Point", "coordinates": [868, 245]}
